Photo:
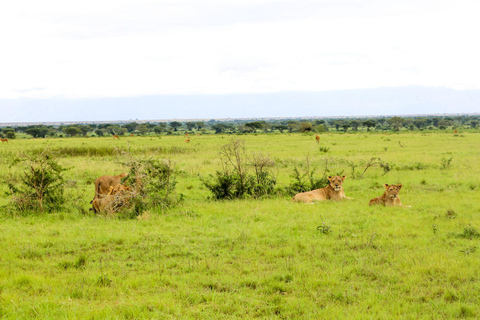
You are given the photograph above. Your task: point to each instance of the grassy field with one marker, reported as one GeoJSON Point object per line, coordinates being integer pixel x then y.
{"type": "Point", "coordinates": [253, 258]}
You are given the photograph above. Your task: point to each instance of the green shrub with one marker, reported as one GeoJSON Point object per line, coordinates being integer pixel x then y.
{"type": "Point", "coordinates": [41, 185]}
{"type": "Point", "coordinates": [235, 180]}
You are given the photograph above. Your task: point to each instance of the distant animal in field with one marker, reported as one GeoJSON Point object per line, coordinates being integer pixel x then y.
{"type": "Point", "coordinates": [317, 137]}
{"type": "Point", "coordinates": [115, 136]}
{"type": "Point", "coordinates": [334, 191]}
{"type": "Point", "coordinates": [390, 197]}
{"type": "Point", "coordinates": [455, 131]}
{"type": "Point", "coordinates": [4, 140]}
{"type": "Point", "coordinates": [131, 134]}
{"type": "Point", "coordinates": [187, 140]}
{"type": "Point", "coordinates": [103, 184]}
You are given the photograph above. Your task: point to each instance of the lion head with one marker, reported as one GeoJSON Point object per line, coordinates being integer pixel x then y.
{"type": "Point", "coordinates": [336, 182]}
{"type": "Point", "coordinates": [393, 190]}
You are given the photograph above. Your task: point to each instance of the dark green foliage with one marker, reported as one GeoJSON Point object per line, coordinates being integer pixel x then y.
{"type": "Point", "coordinates": [446, 163]}
{"type": "Point", "coordinates": [307, 181]}
{"type": "Point", "coordinates": [152, 183]}
{"type": "Point", "coordinates": [42, 184]}
{"type": "Point", "coordinates": [235, 180]}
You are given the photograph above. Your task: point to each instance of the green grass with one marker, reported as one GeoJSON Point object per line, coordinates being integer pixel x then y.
{"type": "Point", "coordinates": [253, 258]}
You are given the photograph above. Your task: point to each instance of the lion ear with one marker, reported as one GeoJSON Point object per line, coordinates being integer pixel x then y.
{"type": "Point", "coordinates": [330, 177]}
{"type": "Point", "coordinates": [344, 177]}
{"type": "Point", "coordinates": [399, 186]}
{"type": "Point", "coordinates": [385, 185]}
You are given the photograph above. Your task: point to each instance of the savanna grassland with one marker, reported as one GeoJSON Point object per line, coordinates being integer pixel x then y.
{"type": "Point", "coordinates": [252, 258]}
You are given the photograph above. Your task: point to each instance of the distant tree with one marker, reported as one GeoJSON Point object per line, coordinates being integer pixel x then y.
{"type": "Point", "coordinates": [254, 125]}
{"type": "Point", "coordinates": [369, 124]}
{"type": "Point", "coordinates": [305, 126]}
{"type": "Point", "coordinates": [113, 129]}
{"type": "Point", "coordinates": [190, 125]}
{"type": "Point", "coordinates": [420, 123]}
{"type": "Point", "coordinates": [131, 127]}
{"type": "Point", "coordinates": [396, 122]}
{"type": "Point", "coordinates": [345, 127]}
{"type": "Point", "coordinates": [144, 128]}
{"type": "Point", "coordinates": [159, 128]}
{"type": "Point", "coordinates": [280, 127]}
{"type": "Point", "coordinates": [9, 133]}
{"type": "Point", "coordinates": [72, 131]}
{"type": "Point", "coordinates": [292, 126]}
{"type": "Point", "coordinates": [474, 123]}
{"type": "Point", "coordinates": [200, 125]}
{"type": "Point", "coordinates": [223, 127]}
{"type": "Point", "coordinates": [84, 129]}
{"type": "Point", "coordinates": [37, 131]}
{"type": "Point", "coordinates": [100, 132]}
{"type": "Point", "coordinates": [338, 124]}
{"type": "Point", "coordinates": [355, 124]}
{"type": "Point", "coordinates": [175, 125]}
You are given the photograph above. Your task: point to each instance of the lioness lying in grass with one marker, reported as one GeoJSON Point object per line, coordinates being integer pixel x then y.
{"type": "Point", "coordinates": [334, 191]}
{"type": "Point", "coordinates": [390, 197]}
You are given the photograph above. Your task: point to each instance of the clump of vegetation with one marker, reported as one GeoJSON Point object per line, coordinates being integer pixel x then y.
{"type": "Point", "coordinates": [446, 163]}
{"type": "Point", "coordinates": [365, 165]}
{"type": "Point", "coordinates": [42, 184]}
{"type": "Point", "coordinates": [451, 214]}
{"type": "Point", "coordinates": [470, 232]}
{"type": "Point", "coordinates": [324, 228]}
{"type": "Point", "coordinates": [152, 186]}
{"type": "Point", "coordinates": [235, 180]}
{"type": "Point", "coordinates": [306, 181]}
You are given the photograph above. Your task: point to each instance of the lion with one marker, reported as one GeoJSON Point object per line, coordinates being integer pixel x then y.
{"type": "Point", "coordinates": [334, 191]}
{"type": "Point", "coordinates": [103, 184]}
{"type": "Point", "coordinates": [116, 198]}
{"type": "Point", "coordinates": [4, 140]}
{"type": "Point", "coordinates": [390, 197]}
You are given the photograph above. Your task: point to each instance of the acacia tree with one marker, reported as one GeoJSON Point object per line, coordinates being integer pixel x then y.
{"type": "Point", "coordinates": [254, 125]}
{"type": "Point", "coordinates": [369, 124]}
{"type": "Point", "coordinates": [396, 122]}
{"type": "Point", "coordinates": [175, 125]}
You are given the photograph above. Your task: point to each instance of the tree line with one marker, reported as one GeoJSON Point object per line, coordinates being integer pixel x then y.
{"type": "Point", "coordinates": [395, 123]}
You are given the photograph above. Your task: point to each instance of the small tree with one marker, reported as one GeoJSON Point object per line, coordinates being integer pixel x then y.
{"type": "Point", "coordinates": [72, 131]}
{"type": "Point", "coordinates": [42, 184]}
{"type": "Point", "coordinates": [305, 126]}
{"type": "Point", "coordinates": [396, 122]}
{"type": "Point", "coordinates": [175, 125]}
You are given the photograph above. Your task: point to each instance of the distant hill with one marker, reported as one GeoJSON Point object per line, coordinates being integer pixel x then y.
{"type": "Point", "coordinates": [364, 102]}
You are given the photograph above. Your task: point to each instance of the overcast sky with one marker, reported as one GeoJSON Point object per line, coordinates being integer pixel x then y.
{"type": "Point", "coordinates": [122, 48]}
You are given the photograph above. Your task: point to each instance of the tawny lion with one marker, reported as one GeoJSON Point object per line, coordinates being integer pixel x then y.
{"type": "Point", "coordinates": [116, 198]}
{"type": "Point", "coordinates": [4, 140]}
{"type": "Point", "coordinates": [103, 184]}
{"type": "Point", "coordinates": [115, 136]}
{"type": "Point", "coordinates": [334, 191]}
{"type": "Point", "coordinates": [390, 197]}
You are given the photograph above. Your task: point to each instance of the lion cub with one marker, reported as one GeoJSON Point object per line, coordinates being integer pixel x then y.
{"type": "Point", "coordinates": [334, 191]}
{"type": "Point", "coordinates": [390, 197]}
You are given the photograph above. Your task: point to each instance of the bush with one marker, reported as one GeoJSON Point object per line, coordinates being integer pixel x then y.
{"type": "Point", "coordinates": [235, 179]}
{"type": "Point", "coordinates": [307, 181]}
{"type": "Point", "coordinates": [42, 184]}
{"type": "Point", "coordinates": [152, 183]}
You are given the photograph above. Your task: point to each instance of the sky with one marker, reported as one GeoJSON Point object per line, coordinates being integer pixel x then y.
{"type": "Point", "coordinates": [96, 49]}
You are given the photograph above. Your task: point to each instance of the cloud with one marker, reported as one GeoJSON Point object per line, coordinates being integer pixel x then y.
{"type": "Point", "coordinates": [130, 48]}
